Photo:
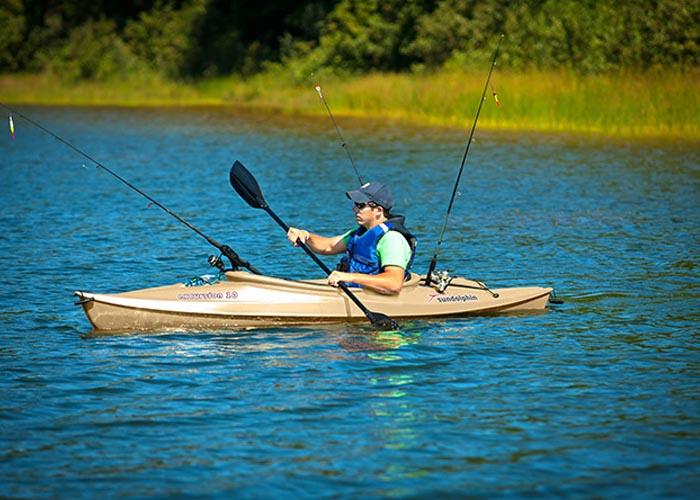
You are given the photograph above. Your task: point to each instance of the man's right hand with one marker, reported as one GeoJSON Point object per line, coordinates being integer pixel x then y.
{"type": "Point", "coordinates": [295, 236]}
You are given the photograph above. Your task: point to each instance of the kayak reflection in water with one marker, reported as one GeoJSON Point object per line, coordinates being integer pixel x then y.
{"type": "Point", "coordinates": [378, 254]}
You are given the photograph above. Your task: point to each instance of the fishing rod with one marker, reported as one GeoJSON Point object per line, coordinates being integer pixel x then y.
{"type": "Point", "coordinates": [433, 261]}
{"type": "Point", "coordinates": [343, 144]}
{"type": "Point", "coordinates": [226, 250]}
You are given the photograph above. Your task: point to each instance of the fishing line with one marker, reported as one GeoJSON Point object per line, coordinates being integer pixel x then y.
{"type": "Point", "coordinates": [343, 144]}
{"type": "Point", "coordinates": [224, 249]}
{"type": "Point", "coordinates": [433, 261]}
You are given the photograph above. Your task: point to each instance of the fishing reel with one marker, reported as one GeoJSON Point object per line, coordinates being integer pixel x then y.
{"type": "Point", "coordinates": [209, 279]}
{"type": "Point", "coordinates": [441, 280]}
{"type": "Point", "coordinates": [216, 262]}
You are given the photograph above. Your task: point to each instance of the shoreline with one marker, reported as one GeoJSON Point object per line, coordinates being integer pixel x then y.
{"type": "Point", "coordinates": [529, 110]}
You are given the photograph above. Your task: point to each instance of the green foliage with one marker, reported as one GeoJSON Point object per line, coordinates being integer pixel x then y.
{"type": "Point", "coordinates": [454, 26]}
{"type": "Point", "coordinates": [94, 51]}
{"type": "Point", "coordinates": [13, 24]}
{"type": "Point", "coordinates": [370, 34]}
{"type": "Point", "coordinates": [195, 38]}
{"type": "Point", "coordinates": [672, 33]}
{"type": "Point", "coordinates": [586, 36]}
{"type": "Point", "coordinates": [163, 37]}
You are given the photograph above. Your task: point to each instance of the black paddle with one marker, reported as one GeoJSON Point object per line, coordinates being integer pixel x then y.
{"type": "Point", "coordinates": [247, 187]}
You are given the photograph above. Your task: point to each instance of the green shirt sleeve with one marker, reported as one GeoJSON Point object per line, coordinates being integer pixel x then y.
{"type": "Point", "coordinates": [394, 250]}
{"type": "Point", "coordinates": [346, 236]}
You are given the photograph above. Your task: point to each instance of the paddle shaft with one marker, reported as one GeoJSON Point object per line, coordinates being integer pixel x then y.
{"type": "Point", "coordinates": [224, 249]}
{"type": "Point", "coordinates": [433, 261]}
{"type": "Point", "coordinates": [320, 263]}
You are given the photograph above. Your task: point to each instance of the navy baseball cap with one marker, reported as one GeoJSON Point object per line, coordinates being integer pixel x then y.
{"type": "Point", "coordinates": [372, 191]}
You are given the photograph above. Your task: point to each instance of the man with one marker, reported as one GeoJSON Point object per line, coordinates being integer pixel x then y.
{"type": "Point", "coordinates": [378, 253]}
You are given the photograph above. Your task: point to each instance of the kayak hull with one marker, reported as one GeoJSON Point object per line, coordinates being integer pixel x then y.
{"type": "Point", "coordinates": [244, 300]}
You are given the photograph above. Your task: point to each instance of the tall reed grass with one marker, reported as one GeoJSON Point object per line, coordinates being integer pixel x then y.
{"type": "Point", "coordinates": [630, 105]}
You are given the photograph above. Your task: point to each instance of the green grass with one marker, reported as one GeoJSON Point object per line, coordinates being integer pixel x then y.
{"type": "Point", "coordinates": [630, 105]}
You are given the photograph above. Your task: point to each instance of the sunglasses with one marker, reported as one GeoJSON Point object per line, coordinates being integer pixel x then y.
{"type": "Point", "coordinates": [361, 206]}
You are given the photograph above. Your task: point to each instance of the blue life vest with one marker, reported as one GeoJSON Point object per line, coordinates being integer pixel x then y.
{"type": "Point", "coordinates": [362, 257]}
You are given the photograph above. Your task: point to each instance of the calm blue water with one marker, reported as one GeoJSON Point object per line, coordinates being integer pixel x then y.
{"type": "Point", "coordinates": [597, 397]}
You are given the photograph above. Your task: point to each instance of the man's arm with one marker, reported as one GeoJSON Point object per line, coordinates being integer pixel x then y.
{"type": "Point", "coordinates": [389, 281]}
{"type": "Point", "coordinates": [395, 254]}
{"type": "Point", "coordinates": [318, 244]}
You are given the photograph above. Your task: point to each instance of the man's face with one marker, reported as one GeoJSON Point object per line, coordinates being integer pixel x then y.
{"type": "Point", "coordinates": [367, 213]}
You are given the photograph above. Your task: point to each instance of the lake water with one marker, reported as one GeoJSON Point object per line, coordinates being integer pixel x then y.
{"type": "Point", "coordinates": [596, 397]}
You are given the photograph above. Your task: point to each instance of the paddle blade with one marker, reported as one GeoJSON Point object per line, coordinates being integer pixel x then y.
{"type": "Point", "coordinates": [382, 321]}
{"type": "Point", "coordinates": [246, 186]}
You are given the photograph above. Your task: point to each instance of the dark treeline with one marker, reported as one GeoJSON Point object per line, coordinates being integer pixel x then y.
{"type": "Point", "coordinates": [84, 39]}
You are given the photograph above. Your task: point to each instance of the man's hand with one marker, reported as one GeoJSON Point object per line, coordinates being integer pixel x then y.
{"type": "Point", "coordinates": [389, 281]}
{"type": "Point", "coordinates": [295, 236]}
{"type": "Point", "coordinates": [337, 276]}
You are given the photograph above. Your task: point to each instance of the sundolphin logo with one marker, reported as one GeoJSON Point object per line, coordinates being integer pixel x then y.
{"type": "Point", "coordinates": [452, 298]}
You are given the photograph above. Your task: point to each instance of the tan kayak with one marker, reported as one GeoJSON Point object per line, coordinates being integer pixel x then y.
{"type": "Point", "coordinates": [243, 300]}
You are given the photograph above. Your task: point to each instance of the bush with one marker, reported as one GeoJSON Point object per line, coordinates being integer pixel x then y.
{"type": "Point", "coordinates": [94, 51]}
{"type": "Point", "coordinates": [13, 26]}
{"type": "Point", "coordinates": [589, 36]}
{"type": "Point", "coordinates": [164, 37]}
{"type": "Point", "coordinates": [361, 35]}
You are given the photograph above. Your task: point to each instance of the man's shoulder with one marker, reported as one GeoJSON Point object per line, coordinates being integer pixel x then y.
{"type": "Point", "coordinates": [393, 234]}
{"type": "Point", "coordinates": [394, 250]}
{"type": "Point", "coordinates": [393, 239]}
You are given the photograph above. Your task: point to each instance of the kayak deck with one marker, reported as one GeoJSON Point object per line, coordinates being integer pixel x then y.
{"type": "Point", "coordinates": [244, 300]}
